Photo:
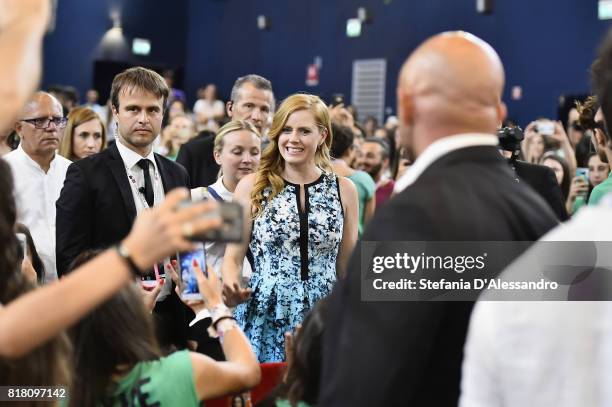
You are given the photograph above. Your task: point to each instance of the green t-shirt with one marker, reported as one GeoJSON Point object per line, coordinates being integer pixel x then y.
{"type": "Point", "coordinates": [285, 403]}
{"type": "Point", "coordinates": [600, 190]}
{"type": "Point", "coordinates": [366, 188]}
{"type": "Point", "coordinates": [164, 382]}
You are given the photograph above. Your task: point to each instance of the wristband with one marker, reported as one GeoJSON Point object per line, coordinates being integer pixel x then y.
{"type": "Point", "coordinates": [125, 255]}
{"type": "Point", "coordinates": [218, 313]}
{"type": "Point", "coordinates": [222, 326]}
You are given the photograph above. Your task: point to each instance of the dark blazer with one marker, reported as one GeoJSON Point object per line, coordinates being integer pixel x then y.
{"type": "Point", "coordinates": [96, 208]}
{"type": "Point", "coordinates": [197, 157]}
{"type": "Point", "coordinates": [410, 353]}
{"type": "Point", "coordinates": [543, 180]}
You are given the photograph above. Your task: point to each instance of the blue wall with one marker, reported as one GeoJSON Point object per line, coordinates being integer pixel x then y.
{"type": "Point", "coordinates": [69, 52]}
{"type": "Point", "coordinates": [547, 46]}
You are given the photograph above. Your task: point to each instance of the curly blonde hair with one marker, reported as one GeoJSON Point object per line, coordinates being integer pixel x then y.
{"type": "Point", "coordinates": [272, 162]}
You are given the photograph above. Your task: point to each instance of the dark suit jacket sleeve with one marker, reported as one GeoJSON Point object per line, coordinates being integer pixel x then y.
{"type": "Point", "coordinates": [184, 158]}
{"type": "Point", "coordinates": [73, 226]}
{"type": "Point", "coordinates": [555, 196]}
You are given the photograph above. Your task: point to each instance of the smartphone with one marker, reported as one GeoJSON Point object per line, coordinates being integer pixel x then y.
{"type": "Point", "coordinates": [546, 127]}
{"type": "Point", "coordinates": [337, 99]}
{"type": "Point", "coordinates": [23, 244]}
{"type": "Point", "coordinates": [583, 173]}
{"type": "Point", "coordinates": [189, 282]}
{"type": "Point", "coordinates": [232, 229]}
{"type": "Point", "coordinates": [150, 279]}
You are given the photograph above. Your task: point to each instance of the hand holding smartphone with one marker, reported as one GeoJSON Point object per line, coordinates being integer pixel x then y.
{"type": "Point", "coordinates": [189, 289]}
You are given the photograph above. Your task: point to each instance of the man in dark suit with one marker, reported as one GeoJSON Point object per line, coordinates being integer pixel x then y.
{"type": "Point", "coordinates": [103, 193]}
{"type": "Point", "coordinates": [252, 100]}
{"type": "Point", "coordinates": [459, 189]}
{"type": "Point", "coordinates": [543, 180]}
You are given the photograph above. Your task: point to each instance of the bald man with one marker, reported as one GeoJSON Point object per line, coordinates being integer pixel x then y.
{"type": "Point", "coordinates": [459, 189]}
{"type": "Point", "coordinates": [39, 173]}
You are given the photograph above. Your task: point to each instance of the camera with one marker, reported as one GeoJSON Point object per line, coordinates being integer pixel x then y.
{"type": "Point", "coordinates": [545, 127]}
{"type": "Point", "coordinates": [231, 230]}
{"type": "Point", "coordinates": [510, 138]}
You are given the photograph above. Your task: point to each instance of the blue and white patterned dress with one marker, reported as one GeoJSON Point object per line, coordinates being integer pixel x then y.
{"type": "Point", "coordinates": [295, 262]}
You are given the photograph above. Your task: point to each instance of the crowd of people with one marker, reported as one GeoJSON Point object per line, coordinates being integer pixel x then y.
{"type": "Point", "coordinates": [95, 199]}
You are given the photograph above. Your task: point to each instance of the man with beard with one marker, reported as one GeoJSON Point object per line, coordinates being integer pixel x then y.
{"type": "Point", "coordinates": [376, 163]}
{"type": "Point", "coordinates": [459, 189]}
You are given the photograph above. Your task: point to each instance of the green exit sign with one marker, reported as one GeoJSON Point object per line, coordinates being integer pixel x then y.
{"type": "Point", "coordinates": [353, 27]}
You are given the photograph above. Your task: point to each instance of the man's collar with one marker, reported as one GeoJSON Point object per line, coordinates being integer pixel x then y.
{"type": "Point", "coordinates": [30, 161]}
{"type": "Point", "coordinates": [221, 190]}
{"type": "Point", "coordinates": [440, 148]}
{"type": "Point", "coordinates": [130, 157]}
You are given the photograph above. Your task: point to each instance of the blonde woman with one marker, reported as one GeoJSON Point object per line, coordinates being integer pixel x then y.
{"type": "Point", "coordinates": [237, 150]}
{"type": "Point", "coordinates": [84, 134]}
{"type": "Point", "coordinates": [304, 227]}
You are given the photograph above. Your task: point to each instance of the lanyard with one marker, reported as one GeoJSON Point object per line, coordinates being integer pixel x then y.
{"type": "Point", "coordinates": [215, 195]}
{"type": "Point", "coordinates": [136, 190]}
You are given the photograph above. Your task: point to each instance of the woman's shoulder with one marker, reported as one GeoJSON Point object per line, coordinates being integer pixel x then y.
{"type": "Point", "coordinates": [244, 187]}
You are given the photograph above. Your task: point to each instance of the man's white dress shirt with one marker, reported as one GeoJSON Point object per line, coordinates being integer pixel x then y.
{"type": "Point", "coordinates": [35, 195]}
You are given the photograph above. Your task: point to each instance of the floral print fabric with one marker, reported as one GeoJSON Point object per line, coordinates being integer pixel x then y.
{"type": "Point", "coordinates": [295, 262]}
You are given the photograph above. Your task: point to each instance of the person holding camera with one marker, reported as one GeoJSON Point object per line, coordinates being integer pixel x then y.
{"type": "Point", "coordinates": [582, 184]}
{"type": "Point", "coordinates": [542, 136]}
{"type": "Point", "coordinates": [118, 361]}
{"type": "Point", "coordinates": [305, 221]}
{"type": "Point", "coordinates": [539, 177]}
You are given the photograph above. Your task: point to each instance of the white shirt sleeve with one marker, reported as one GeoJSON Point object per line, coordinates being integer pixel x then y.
{"type": "Point", "coordinates": [479, 380]}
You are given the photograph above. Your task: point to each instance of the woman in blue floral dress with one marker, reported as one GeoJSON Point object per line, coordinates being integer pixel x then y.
{"type": "Point", "coordinates": [304, 226]}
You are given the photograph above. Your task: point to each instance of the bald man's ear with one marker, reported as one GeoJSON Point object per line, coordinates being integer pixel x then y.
{"type": "Point", "coordinates": [502, 113]}
{"type": "Point", "coordinates": [405, 107]}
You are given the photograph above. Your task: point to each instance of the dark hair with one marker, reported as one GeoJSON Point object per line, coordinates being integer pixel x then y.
{"type": "Point", "coordinates": [117, 333]}
{"type": "Point", "coordinates": [259, 82]}
{"type": "Point", "coordinates": [567, 177]}
{"type": "Point", "coordinates": [342, 140]}
{"type": "Point", "coordinates": [139, 78]}
{"type": "Point", "coordinates": [37, 263]}
{"type": "Point", "coordinates": [304, 373]}
{"type": "Point", "coordinates": [382, 143]}
{"type": "Point", "coordinates": [47, 365]}
{"type": "Point", "coordinates": [9, 249]}
{"type": "Point", "coordinates": [586, 112]}
{"type": "Point", "coordinates": [601, 75]}
{"type": "Point", "coordinates": [13, 140]}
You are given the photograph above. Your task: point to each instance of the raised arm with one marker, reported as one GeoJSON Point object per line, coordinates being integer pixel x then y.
{"type": "Point", "coordinates": [350, 202]}
{"type": "Point", "coordinates": [22, 26]}
{"type": "Point", "coordinates": [156, 234]}
{"type": "Point", "coordinates": [241, 369]}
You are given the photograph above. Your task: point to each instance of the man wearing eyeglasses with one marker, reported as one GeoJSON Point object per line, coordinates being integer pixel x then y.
{"type": "Point", "coordinates": [39, 173]}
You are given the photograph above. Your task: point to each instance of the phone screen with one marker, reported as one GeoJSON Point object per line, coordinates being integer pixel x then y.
{"type": "Point", "coordinates": [583, 173]}
{"type": "Point", "coordinates": [189, 282]}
